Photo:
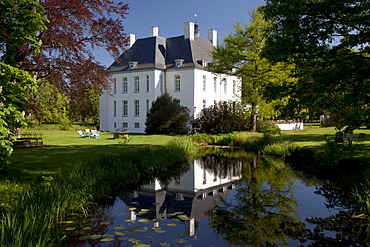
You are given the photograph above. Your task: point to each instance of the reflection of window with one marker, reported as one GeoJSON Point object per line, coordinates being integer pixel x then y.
{"type": "Point", "coordinates": [161, 83]}
{"type": "Point", "coordinates": [215, 84]}
{"type": "Point", "coordinates": [124, 85]}
{"type": "Point", "coordinates": [204, 83]}
{"type": "Point", "coordinates": [147, 83]}
{"type": "Point", "coordinates": [137, 108]}
{"type": "Point", "coordinates": [177, 83]}
{"type": "Point", "coordinates": [114, 85]}
{"type": "Point", "coordinates": [137, 125]}
{"type": "Point", "coordinates": [124, 125]}
{"type": "Point", "coordinates": [114, 108]}
{"type": "Point", "coordinates": [124, 108]}
{"type": "Point", "coordinates": [137, 84]}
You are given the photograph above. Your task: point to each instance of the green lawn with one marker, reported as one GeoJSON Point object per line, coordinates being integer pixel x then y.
{"type": "Point", "coordinates": [63, 150]}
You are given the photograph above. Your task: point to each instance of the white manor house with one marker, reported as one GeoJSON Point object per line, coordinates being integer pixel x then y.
{"type": "Point", "coordinates": [154, 65]}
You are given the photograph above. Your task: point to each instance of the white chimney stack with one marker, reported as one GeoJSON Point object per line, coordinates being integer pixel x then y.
{"type": "Point", "coordinates": [154, 31]}
{"type": "Point", "coordinates": [189, 30]}
{"type": "Point", "coordinates": [131, 39]}
{"type": "Point", "coordinates": [212, 36]}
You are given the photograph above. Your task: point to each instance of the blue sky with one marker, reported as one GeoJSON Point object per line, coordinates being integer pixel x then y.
{"type": "Point", "coordinates": [169, 16]}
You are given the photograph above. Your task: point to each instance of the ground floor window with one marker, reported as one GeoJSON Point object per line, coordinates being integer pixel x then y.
{"type": "Point", "coordinates": [137, 125]}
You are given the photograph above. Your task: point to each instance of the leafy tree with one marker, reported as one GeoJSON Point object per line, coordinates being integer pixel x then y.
{"type": "Point", "coordinates": [21, 21]}
{"type": "Point", "coordinates": [47, 104]}
{"type": "Point", "coordinates": [240, 55]}
{"type": "Point", "coordinates": [223, 117]}
{"type": "Point", "coordinates": [329, 43]}
{"type": "Point", "coordinates": [86, 109]}
{"type": "Point", "coordinates": [74, 28]}
{"type": "Point", "coordinates": [167, 116]}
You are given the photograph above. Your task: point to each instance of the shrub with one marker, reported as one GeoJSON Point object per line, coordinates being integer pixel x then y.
{"type": "Point", "coordinates": [167, 116]}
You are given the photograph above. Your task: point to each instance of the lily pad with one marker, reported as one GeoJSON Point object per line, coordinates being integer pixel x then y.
{"type": "Point", "coordinates": [107, 236]}
{"type": "Point", "coordinates": [159, 231]}
{"type": "Point", "coordinates": [131, 208]}
{"type": "Point", "coordinates": [144, 210]}
{"type": "Point", "coordinates": [178, 212]}
{"type": "Point", "coordinates": [107, 239]}
{"type": "Point", "coordinates": [171, 224]}
{"type": "Point", "coordinates": [105, 223]}
{"type": "Point", "coordinates": [86, 228]}
{"type": "Point", "coordinates": [144, 221]}
{"type": "Point", "coordinates": [67, 222]}
{"type": "Point", "coordinates": [119, 233]}
{"type": "Point", "coordinates": [70, 228]}
{"type": "Point", "coordinates": [118, 228]}
{"type": "Point", "coordinates": [142, 245]}
{"type": "Point", "coordinates": [95, 236]}
{"type": "Point", "coordinates": [156, 228]}
{"type": "Point", "coordinates": [84, 238]}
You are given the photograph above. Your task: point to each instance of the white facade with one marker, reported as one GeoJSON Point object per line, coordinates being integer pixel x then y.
{"type": "Point", "coordinates": [135, 88]}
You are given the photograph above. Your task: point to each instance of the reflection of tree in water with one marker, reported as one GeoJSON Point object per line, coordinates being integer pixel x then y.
{"type": "Point", "coordinates": [263, 211]}
{"type": "Point", "coordinates": [221, 166]}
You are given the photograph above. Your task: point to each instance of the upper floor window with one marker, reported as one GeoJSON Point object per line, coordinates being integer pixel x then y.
{"type": "Point", "coordinates": [215, 84]}
{"type": "Point", "coordinates": [225, 85]}
{"type": "Point", "coordinates": [234, 87]}
{"type": "Point", "coordinates": [204, 83]}
{"type": "Point", "coordinates": [177, 83]}
{"type": "Point", "coordinates": [137, 107]}
{"type": "Point", "coordinates": [114, 85]}
{"type": "Point", "coordinates": [114, 108]}
{"type": "Point", "coordinates": [124, 108]}
{"type": "Point", "coordinates": [137, 84]}
{"type": "Point", "coordinates": [124, 85]}
{"type": "Point", "coordinates": [147, 83]}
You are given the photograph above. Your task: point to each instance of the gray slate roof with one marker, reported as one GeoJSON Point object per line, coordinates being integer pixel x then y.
{"type": "Point", "coordinates": [161, 53]}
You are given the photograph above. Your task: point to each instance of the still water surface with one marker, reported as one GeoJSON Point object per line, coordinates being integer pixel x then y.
{"type": "Point", "coordinates": [219, 201]}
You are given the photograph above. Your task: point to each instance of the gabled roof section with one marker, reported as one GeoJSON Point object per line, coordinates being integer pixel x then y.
{"type": "Point", "coordinates": [161, 53]}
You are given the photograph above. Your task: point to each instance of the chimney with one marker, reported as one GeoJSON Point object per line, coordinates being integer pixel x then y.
{"type": "Point", "coordinates": [131, 39]}
{"type": "Point", "coordinates": [189, 30]}
{"type": "Point", "coordinates": [154, 31]}
{"type": "Point", "coordinates": [212, 36]}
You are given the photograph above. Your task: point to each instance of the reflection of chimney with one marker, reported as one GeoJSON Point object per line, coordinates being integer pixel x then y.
{"type": "Point", "coordinates": [190, 227]}
{"type": "Point", "coordinates": [189, 30]}
{"type": "Point", "coordinates": [154, 31]}
{"type": "Point", "coordinates": [212, 36]}
{"type": "Point", "coordinates": [131, 39]}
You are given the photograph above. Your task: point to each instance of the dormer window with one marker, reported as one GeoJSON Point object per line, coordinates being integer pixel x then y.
{"type": "Point", "coordinates": [203, 63]}
{"type": "Point", "coordinates": [178, 62]}
{"type": "Point", "coordinates": [132, 64]}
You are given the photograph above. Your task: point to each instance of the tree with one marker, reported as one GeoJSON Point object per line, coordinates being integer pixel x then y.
{"type": "Point", "coordinates": [223, 117]}
{"type": "Point", "coordinates": [21, 21]}
{"type": "Point", "coordinates": [74, 28]}
{"type": "Point", "coordinates": [240, 55]}
{"type": "Point", "coordinates": [329, 43]}
{"type": "Point", "coordinates": [167, 116]}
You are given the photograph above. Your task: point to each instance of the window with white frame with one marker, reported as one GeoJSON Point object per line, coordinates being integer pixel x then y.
{"type": "Point", "coordinates": [225, 85]}
{"type": "Point", "coordinates": [124, 85]}
{"type": "Point", "coordinates": [204, 83]}
{"type": "Point", "coordinates": [215, 84]}
{"type": "Point", "coordinates": [124, 108]}
{"type": "Point", "coordinates": [234, 87]}
{"type": "Point", "coordinates": [124, 125]}
{"type": "Point", "coordinates": [114, 108]}
{"type": "Point", "coordinates": [147, 83]}
{"type": "Point", "coordinates": [137, 125]}
{"type": "Point", "coordinates": [114, 85]}
{"type": "Point", "coordinates": [161, 83]}
{"type": "Point", "coordinates": [136, 84]}
{"type": "Point", "coordinates": [177, 83]}
{"type": "Point", "coordinates": [137, 107]}
{"type": "Point", "coordinates": [204, 104]}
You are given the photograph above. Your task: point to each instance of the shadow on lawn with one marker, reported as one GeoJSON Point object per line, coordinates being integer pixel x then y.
{"type": "Point", "coordinates": [30, 163]}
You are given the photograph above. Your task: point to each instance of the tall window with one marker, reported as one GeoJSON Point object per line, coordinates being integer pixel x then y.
{"type": "Point", "coordinates": [204, 83]}
{"type": "Point", "coordinates": [124, 108]}
{"type": "Point", "coordinates": [204, 103]}
{"type": "Point", "coordinates": [137, 108]}
{"type": "Point", "coordinates": [114, 108]}
{"type": "Point", "coordinates": [124, 85]}
{"type": "Point", "coordinates": [147, 83]}
{"type": "Point", "coordinates": [234, 87]}
{"type": "Point", "coordinates": [147, 106]}
{"type": "Point", "coordinates": [161, 83]}
{"type": "Point", "coordinates": [215, 84]}
{"type": "Point", "coordinates": [177, 83]}
{"type": "Point", "coordinates": [225, 86]}
{"type": "Point", "coordinates": [114, 85]}
{"type": "Point", "coordinates": [137, 84]}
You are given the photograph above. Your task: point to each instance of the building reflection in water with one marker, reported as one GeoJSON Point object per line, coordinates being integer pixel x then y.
{"type": "Point", "coordinates": [190, 196]}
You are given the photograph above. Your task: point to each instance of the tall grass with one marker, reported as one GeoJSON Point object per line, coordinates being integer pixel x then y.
{"type": "Point", "coordinates": [33, 220]}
